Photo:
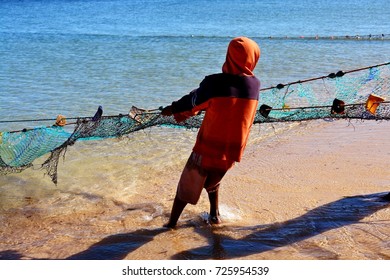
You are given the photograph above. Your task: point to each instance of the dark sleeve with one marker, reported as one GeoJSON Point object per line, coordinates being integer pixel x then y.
{"type": "Point", "coordinates": [194, 98]}
{"type": "Point", "coordinates": [185, 103]}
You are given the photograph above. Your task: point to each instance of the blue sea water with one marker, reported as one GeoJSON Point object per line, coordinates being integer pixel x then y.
{"type": "Point", "coordinates": [69, 56]}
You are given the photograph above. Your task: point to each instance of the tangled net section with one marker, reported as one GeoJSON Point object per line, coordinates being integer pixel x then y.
{"type": "Point", "coordinates": [18, 149]}
{"type": "Point", "coordinates": [355, 94]}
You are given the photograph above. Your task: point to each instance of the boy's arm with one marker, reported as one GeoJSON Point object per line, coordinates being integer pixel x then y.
{"type": "Point", "coordinates": [190, 104]}
{"type": "Point", "coordinates": [185, 107]}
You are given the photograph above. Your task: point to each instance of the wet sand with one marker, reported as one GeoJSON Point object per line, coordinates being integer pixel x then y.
{"type": "Point", "coordinates": [313, 192]}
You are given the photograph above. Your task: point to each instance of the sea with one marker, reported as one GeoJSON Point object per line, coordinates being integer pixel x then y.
{"type": "Point", "coordinates": [70, 56]}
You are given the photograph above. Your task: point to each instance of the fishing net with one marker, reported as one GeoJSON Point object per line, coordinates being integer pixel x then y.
{"type": "Point", "coordinates": [356, 94]}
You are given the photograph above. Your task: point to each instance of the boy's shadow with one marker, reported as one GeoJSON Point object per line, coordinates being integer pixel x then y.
{"type": "Point", "coordinates": [343, 212]}
{"type": "Point", "coordinates": [118, 246]}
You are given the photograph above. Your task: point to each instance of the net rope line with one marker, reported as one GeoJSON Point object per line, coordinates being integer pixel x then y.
{"type": "Point", "coordinates": [331, 37]}
{"type": "Point", "coordinates": [361, 94]}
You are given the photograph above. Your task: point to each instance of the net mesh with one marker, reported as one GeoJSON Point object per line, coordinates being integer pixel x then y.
{"type": "Point", "coordinates": [357, 94]}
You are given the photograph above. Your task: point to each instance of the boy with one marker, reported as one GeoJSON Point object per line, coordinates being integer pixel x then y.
{"type": "Point", "coordinates": [230, 101]}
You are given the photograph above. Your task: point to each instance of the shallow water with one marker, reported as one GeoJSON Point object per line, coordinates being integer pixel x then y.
{"type": "Point", "coordinates": [115, 168]}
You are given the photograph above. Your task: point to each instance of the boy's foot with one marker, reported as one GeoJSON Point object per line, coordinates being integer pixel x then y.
{"type": "Point", "coordinates": [169, 225]}
{"type": "Point", "coordinates": [215, 220]}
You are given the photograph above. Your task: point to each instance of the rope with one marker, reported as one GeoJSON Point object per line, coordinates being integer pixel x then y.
{"type": "Point", "coordinates": [331, 37]}
{"type": "Point", "coordinates": [331, 76]}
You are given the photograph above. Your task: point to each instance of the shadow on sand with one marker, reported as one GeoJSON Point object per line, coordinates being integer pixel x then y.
{"type": "Point", "coordinates": [118, 246]}
{"type": "Point", "coordinates": [343, 212]}
{"type": "Point", "coordinates": [261, 238]}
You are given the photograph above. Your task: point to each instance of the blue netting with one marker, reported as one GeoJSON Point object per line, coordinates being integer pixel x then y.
{"type": "Point", "coordinates": [333, 96]}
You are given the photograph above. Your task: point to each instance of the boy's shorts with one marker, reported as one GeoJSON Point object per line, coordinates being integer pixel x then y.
{"type": "Point", "coordinates": [201, 172]}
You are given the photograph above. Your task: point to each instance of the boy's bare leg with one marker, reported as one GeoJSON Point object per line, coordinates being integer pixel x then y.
{"type": "Point", "coordinates": [214, 207]}
{"type": "Point", "coordinates": [177, 209]}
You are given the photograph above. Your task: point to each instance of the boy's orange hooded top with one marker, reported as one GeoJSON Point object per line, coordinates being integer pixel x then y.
{"type": "Point", "coordinates": [230, 100]}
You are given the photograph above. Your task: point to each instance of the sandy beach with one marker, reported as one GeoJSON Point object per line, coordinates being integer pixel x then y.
{"type": "Point", "coordinates": [313, 192]}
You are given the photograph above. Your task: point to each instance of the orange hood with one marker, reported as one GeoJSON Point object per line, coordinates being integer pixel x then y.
{"type": "Point", "coordinates": [242, 56]}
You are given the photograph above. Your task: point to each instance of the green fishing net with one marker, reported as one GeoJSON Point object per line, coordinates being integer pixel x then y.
{"type": "Point", "coordinates": [356, 94]}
